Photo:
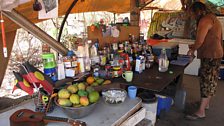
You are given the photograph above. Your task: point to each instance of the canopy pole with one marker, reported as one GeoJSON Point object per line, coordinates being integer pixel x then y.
{"type": "Point", "coordinates": [114, 18]}
{"type": "Point", "coordinates": [35, 30]}
{"type": "Point", "coordinates": [65, 18]}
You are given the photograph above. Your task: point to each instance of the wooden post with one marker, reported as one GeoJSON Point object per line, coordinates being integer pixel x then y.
{"type": "Point", "coordinates": [134, 13]}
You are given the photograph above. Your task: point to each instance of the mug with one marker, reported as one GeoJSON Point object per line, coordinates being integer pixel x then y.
{"type": "Point", "coordinates": [128, 75]}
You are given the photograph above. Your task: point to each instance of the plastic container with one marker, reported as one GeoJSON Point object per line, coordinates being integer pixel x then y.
{"type": "Point", "coordinates": [70, 64]}
{"type": "Point", "coordinates": [164, 104]}
{"type": "Point", "coordinates": [150, 104]}
{"type": "Point", "coordinates": [180, 98]}
{"type": "Point", "coordinates": [221, 73]}
{"type": "Point", "coordinates": [52, 73]}
{"type": "Point", "coordinates": [60, 70]}
{"type": "Point", "coordinates": [48, 60]}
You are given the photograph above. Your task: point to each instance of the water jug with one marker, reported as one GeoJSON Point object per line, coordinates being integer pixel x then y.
{"type": "Point", "coordinates": [163, 61]}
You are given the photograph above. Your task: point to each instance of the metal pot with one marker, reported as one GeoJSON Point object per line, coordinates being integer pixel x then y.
{"type": "Point", "coordinates": [78, 112]}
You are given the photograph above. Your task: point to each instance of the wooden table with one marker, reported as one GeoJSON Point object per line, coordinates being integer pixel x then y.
{"type": "Point", "coordinates": [164, 83]}
{"type": "Point", "coordinates": [153, 80]}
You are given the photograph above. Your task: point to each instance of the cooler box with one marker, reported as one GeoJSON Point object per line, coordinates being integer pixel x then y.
{"type": "Point", "coordinates": [171, 49]}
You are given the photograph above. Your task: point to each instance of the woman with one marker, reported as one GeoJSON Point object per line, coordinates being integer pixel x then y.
{"type": "Point", "coordinates": [210, 51]}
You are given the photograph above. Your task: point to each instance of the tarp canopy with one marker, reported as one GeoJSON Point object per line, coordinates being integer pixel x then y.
{"type": "Point", "coordinates": [115, 6]}
{"type": "Point", "coordinates": [26, 9]}
{"type": "Point", "coordinates": [165, 4]}
{"type": "Point", "coordinates": [217, 2]}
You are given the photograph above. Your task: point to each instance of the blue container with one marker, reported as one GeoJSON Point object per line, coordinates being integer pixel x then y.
{"type": "Point", "coordinates": [221, 73]}
{"type": "Point", "coordinates": [171, 49]}
{"type": "Point", "coordinates": [164, 103]}
{"type": "Point", "coordinates": [52, 73]}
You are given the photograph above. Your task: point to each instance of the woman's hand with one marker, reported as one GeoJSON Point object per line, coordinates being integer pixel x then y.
{"type": "Point", "coordinates": [191, 46]}
{"type": "Point", "coordinates": [190, 52]}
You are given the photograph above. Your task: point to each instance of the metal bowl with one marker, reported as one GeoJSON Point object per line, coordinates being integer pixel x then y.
{"type": "Point", "coordinates": [114, 95]}
{"type": "Point", "coordinates": [78, 112]}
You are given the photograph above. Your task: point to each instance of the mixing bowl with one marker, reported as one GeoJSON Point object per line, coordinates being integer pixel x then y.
{"type": "Point", "coordinates": [77, 112]}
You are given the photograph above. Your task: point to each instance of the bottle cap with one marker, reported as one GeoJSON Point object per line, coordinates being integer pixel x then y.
{"type": "Point", "coordinates": [70, 53]}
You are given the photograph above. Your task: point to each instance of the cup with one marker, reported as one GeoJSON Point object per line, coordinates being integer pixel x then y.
{"type": "Point", "coordinates": [128, 75]}
{"type": "Point", "coordinates": [132, 91]}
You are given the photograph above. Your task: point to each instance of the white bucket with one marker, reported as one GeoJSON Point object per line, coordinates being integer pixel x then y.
{"type": "Point", "coordinates": [151, 109]}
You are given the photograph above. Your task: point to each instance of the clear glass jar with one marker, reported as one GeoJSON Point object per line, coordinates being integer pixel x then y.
{"type": "Point", "coordinates": [163, 61]}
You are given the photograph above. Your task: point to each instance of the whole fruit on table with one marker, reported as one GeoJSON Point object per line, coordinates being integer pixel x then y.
{"type": "Point", "coordinates": [76, 106]}
{"type": "Point", "coordinates": [99, 81]}
{"type": "Point", "coordinates": [93, 96]}
{"type": "Point", "coordinates": [64, 93]}
{"type": "Point", "coordinates": [81, 86]}
{"type": "Point", "coordinates": [89, 89]}
{"type": "Point", "coordinates": [90, 80]}
{"type": "Point", "coordinates": [64, 102]}
{"type": "Point", "coordinates": [84, 100]}
{"type": "Point", "coordinates": [94, 84]}
{"type": "Point", "coordinates": [72, 88]}
{"type": "Point", "coordinates": [74, 98]}
{"type": "Point", "coordinates": [106, 82]}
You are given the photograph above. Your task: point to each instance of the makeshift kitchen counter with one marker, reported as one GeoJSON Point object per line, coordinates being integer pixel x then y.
{"type": "Point", "coordinates": [165, 83]}
{"type": "Point", "coordinates": [152, 79]}
{"type": "Point", "coordinates": [103, 115]}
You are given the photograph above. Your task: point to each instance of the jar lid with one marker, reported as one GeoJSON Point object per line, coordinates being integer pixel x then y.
{"type": "Point", "coordinates": [116, 67]}
{"type": "Point", "coordinates": [70, 53]}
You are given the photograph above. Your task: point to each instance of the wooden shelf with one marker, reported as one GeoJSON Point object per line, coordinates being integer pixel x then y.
{"type": "Point", "coordinates": [124, 33]}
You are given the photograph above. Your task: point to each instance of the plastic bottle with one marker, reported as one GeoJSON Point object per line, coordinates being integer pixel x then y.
{"type": "Point", "coordinates": [163, 61]}
{"type": "Point", "coordinates": [69, 64]}
{"type": "Point", "coordinates": [60, 69]}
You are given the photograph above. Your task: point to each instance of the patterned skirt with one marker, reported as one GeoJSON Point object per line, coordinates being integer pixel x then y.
{"type": "Point", "coordinates": [209, 74]}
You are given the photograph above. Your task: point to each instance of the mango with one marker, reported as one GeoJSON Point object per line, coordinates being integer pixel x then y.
{"type": "Point", "coordinates": [76, 106]}
{"type": "Point", "coordinates": [100, 81]}
{"type": "Point", "coordinates": [64, 93]}
{"type": "Point", "coordinates": [64, 102]}
{"type": "Point", "coordinates": [81, 86]}
{"type": "Point", "coordinates": [95, 84]}
{"type": "Point", "coordinates": [89, 89]}
{"type": "Point", "coordinates": [84, 100]}
{"type": "Point", "coordinates": [106, 82]}
{"type": "Point", "coordinates": [93, 97]}
{"type": "Point", "coordinates": [72, 88]}
{"type": "Point", "coordinates": [74, 98]}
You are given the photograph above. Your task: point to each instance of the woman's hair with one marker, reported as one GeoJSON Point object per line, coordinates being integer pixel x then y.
{"type": "Point", "coordinates": [196, 6]}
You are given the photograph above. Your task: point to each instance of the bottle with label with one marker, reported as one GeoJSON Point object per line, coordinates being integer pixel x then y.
{"type": "Point", "coordinates": [50, 65]}
{"type": "Point", "coordinates": [70, 64]}
{"type": "Point", "coordinates": [163, 61]}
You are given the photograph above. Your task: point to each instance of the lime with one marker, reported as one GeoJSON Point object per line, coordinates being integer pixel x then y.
{"type": "Point", "coordinates": [94, 96]}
